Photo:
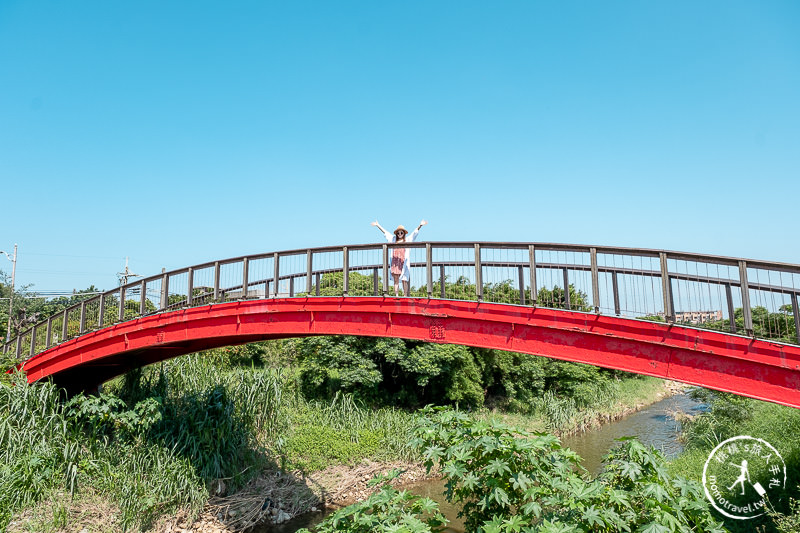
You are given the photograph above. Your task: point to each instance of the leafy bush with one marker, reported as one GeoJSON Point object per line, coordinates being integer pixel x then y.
{"type": "Point", "coordinates": [388, 511]}
{"type": "Point", "coordinates": [507, 480]}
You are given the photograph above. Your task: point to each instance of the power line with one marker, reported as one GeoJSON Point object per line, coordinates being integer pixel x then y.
{"type": "Point", "coordinates": [123, 276]}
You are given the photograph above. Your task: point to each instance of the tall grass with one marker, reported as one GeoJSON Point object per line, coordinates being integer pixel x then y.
{"type": "Point", "coordinates": [352, 420]}
{"type": "Point", "coordinates": [598, 403]}
{"type": "Point", "coordinates": [46, 452]}
{"type": "Point", "coordinates": [38, 451]}
{"type": "Point", "coordinates": [730, 416]}
{"type": "Point", "coordinates": [266, 421]}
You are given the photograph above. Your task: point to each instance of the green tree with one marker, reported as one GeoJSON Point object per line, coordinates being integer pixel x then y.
{"type": "Point", "coordinates": [777, 326]}
{"type": "Point", "coordinates": [332, 284]}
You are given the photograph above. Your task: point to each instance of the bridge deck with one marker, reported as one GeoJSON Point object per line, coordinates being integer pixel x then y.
{"type": "Point", "coordinates": [593, 286]}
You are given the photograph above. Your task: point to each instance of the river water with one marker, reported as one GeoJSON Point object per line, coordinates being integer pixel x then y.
{"type": "Point", "coordinates": [654, 426]}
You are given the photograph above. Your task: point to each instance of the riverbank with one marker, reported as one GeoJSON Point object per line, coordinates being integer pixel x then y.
{"type": "Point", "coordinates": [215, 446]}
{"type": "Point", "coordinates": [341, 485]}
{"type": "Point", "coordinates": [731, 416]}
{"type": "Point", "coordinates": [562, 417]}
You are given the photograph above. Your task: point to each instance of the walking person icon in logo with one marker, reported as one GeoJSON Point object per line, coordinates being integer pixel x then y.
{"type": "Point", "coordinates": [744, 474]}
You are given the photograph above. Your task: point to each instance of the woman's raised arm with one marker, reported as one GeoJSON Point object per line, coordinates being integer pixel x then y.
{"type": "Point", "coordinates": [382, 230]}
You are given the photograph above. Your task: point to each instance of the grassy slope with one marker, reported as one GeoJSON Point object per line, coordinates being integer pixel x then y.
{"type": "Point", "coordinates": [730, 417]}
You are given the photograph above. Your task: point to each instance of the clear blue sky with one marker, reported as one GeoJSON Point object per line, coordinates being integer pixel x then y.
{"type": "Point", "coordinates": [179, 132]}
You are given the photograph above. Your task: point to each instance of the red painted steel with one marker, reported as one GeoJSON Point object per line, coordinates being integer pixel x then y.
{"type": "Point", "coordinates": [749, 367]}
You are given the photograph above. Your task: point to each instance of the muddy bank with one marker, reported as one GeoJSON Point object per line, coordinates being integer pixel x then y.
{"type": "Point", "coordinates": [275, 497]}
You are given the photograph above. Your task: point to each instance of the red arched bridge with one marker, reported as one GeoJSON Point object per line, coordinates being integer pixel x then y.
{"type": "Point", "coordinates": [724, 323]}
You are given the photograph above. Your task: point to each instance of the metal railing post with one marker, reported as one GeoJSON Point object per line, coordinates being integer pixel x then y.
{"type": "Point", "coordinates": [245, 277]}
{"type": "Point", "coordinates": [48, 333]}
{"type": "Point", "coordinates": [291, 287]}
{"type": "Point", "coordinates": [615, 288]}
{"type": "Point", "coordinates": [666, 289]}
{"type": "Point", "coordinates": [796, 313]}
{"type": "Point", "coordinates": [385, 249]}
{"type": "Point", "coordinates": [345, 271]}
{"type": "Point", "coordinates": [189, 286]}
{"type": "Point", "coordinates": [19, 345]}
{"type": "Point", "coordinates": [478, 273]}
{"type": "Point", "coordinates": [441, 281]}
{"type": "Point", "coordinates": [82, 323]}
{"type": "Point", "coordinates": [318, 279]}
{"type": "Point", "coordinates": [532, 266]}
{"type": "Point", "coordinates": [375, 282]}
{"type": "Point", "coordinates": [731, 310]}
{"type": "Point", "coordinates": [276, 262]}
{"type": "Point", "coordinates": [143, 299]}
{"type": "Point", "coordinates": [217, 272]}
{"type": "Point", "coordinates": [101, 311]}
{"type": "Point", "coordinates": [164, 292]}
{"type": "Point", "coordinates": [521, 278]}
{"type": "Point", "coordinates": [65, 326]}
{"type": "Point", "coordinates": [121, 312]}
{"type": "Point", "coordinates": [567, 297]}
{"type": "Point", "coordinates": [429, 268]}
{"type": "Point", "coordinates": [747, 313]}
{"type": "Point", "coordinates": [595, 281]}
{"type": "Point", "coordinates": [33, 341]}
{"type": "Point", "coordinates": [309, 273]}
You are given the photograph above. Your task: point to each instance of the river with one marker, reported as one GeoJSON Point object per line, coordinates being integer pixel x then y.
{"type": "Point", "coordinates": [654, 426]}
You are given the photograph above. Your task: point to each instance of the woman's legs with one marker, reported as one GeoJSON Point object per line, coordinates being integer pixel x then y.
{"type": "Point", "coordinates": [405, 277]}
{"type": "Point", "coordinates": [396, 278]}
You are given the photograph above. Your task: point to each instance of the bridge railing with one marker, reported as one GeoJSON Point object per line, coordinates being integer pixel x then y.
{"type": "Point", "coordinates": [739, 296]}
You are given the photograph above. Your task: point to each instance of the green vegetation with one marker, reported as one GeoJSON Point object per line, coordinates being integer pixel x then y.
{"type": "Point", "coordinates": [387, 510]}
{"type": "Point", "coordinates": [49, 447]}
{"type": "Point", "coordinates": [766, 325]}
{"type": "Point", "coordinates": [157, 440]}
{"type": "Point", "coordinates": [413, 374]}
{"type": "Point", "coordinates": [562, 414]}
{"type": "Point", "coordinates": [507, 480]}
{"type": "Point", "coordinates": [730, 416]}
{"type": "Point", "coordinates": [778, 326]}
{"type": "Point", "coordinates": [153, 442]}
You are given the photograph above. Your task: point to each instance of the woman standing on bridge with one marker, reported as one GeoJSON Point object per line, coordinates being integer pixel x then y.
{"type": "Point", "coordinates": [401, 257]}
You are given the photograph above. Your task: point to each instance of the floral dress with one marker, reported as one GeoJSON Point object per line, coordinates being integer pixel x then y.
{"type": "Point", "coordinates": [401, 257]}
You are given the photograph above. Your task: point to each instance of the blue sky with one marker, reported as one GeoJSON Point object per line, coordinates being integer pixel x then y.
{"type": "Point", "coordinates": [180, 132]}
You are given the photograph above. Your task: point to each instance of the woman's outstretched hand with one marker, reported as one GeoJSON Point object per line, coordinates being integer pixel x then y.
{"type": "Point", "coordinates": [374, 223]}
{"type": "Point", "coordinates": [423, 222]}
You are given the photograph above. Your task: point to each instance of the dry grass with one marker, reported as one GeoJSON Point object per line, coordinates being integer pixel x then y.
{"type": "Point", "coordinates": [90, 513]}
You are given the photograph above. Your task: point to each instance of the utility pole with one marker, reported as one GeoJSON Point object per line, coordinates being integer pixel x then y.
{"type": "Point", "coordinates": [123, 276]}
{"type": "Point", "coordinates": [11, 299]}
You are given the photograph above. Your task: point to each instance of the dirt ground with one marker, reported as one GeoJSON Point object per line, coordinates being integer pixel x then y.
{"type": "Point", "coordinates": [272, 497]}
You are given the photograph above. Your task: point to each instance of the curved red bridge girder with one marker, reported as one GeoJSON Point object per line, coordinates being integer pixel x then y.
{"type": "Point", "coordinates": [749, 367]}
